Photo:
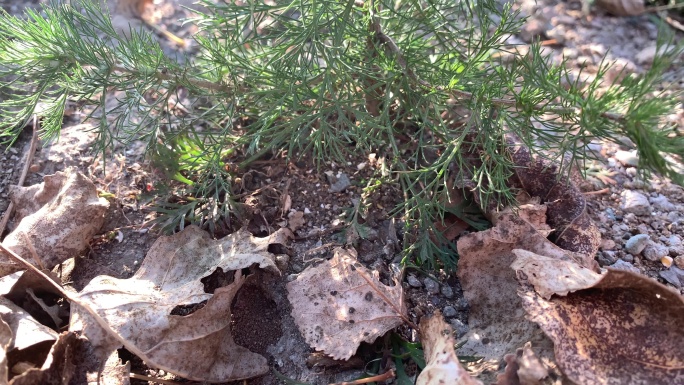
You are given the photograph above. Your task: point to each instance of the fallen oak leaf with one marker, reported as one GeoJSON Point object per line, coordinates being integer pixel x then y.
{"type": "Point", "coordinates": [497, 320]}
{"type": "Point", "coordinates": [198, 346]}
{"type": "Point", "coordinates": [138, 310]}
{"type": "Point", "coordinates": [442, 364]}
{"type": "Point", "coordinates": [57, 217]}
{"type": "Point", "coordinates": [623, 328]}
{"type": "Point", "coordinates": [339, 303]}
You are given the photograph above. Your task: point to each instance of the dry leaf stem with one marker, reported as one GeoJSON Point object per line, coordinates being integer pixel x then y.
{"type": "Point", "coordinates": [388, 375]}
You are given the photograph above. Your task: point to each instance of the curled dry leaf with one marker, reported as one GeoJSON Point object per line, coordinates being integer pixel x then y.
{"type": "Point", "coordinates": [524, 368]}
{"type": "Point", "coordinates": [551, 276]}
{"type": "Point", "coordinates": [31, 339]}
{"type": "Point", "coordinates": [566, 205]}
{"type": "Point", "coordinates": [623, 329]}
{"type": "Point", "coordinates": [442, 364]}
{"type": "Point", "coordinates": [58, 217]}
{"type": "Point", "coordinates": [339, 304]}
{"type": "Point", "coordinates": [58, 368]}
{"type": "Point", "coordinates": [137, 311]}
{"type": "Point", "coordinates": [497, 319]}
{"type": "Point", "coordinates": [622, 7]}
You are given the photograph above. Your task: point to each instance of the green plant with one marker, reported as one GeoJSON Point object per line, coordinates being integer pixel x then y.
{"type": "Point", "coordinates": [420, 82]}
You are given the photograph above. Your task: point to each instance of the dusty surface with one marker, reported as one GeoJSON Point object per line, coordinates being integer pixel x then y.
{"type": "Point", "coordinates": [261, 311]}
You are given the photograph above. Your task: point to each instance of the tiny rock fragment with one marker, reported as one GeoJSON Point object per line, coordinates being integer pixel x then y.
{"type": "Point", "coordinates": [339, 182]}
{"type": "Point", "coordinates": [635, 202]}
{"type": "Point", "coordinates": [627, 158]}
{"type": "Point", "coordinates": [655, 251]}
{"type": "Point", "coordinates": [666, 261]}
{"type": "Point", "coordinates": [636, 244]}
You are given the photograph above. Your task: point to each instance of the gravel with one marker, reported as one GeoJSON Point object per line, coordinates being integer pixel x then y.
{"type": "Point", "coordinates": [636, 244]}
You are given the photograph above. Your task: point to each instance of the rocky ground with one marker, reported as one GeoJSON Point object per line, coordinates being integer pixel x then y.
{"type": "Point", "coordinates": [641, 221]}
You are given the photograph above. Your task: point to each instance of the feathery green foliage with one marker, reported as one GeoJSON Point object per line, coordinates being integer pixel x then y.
{"type": "Point", "coordinates": [423, 83]}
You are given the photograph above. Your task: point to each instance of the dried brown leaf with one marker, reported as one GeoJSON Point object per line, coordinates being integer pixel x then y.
{"type": "Point", "coordinates": [625, 329]}
{"type": "Point", "coordinates": [58, 217]}
{"type": "Point", "coordinates": [137, 311]}
{"type": "Point", "coordinates": [497, 320]}
{"type": "Point", "coordinates": [339, 304]}
{"type": "Point", "coordinates": [566, 205]}
{"type": "Point", "coordinates": [442, 364]}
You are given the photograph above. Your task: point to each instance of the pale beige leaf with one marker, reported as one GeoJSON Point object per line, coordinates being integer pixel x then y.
{"type": "Point", "coordinates": [442, 365]}
{"type": "Point", "coordinates": [58, 217]}
{"type": "Point", "coordinates": [137, 311]}
{"type": "Point", "coordinates": [551, 276]}
{"type": "Point", "coordinates": [26, 330]}
{"type": "Point", "coordinates": [58, 368]}
{"type": "Point", "coordinates": [339, 304]}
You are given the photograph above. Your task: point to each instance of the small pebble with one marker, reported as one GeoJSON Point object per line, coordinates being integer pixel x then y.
{"type": "Point", "coordinates": [413, 281]}
{"type": "Point", "coordinates": [662, 203]}
{"type": "Point", "coordinates": [679, 261]}
{"type": "Point", "coordinates": [459, 327]}
{"type": "Point", "coordinates": [671, 277]}
{"type": "Point", "coordinates": [607, 258]}
{"type": "Point", "coordinates": [636, 244]}
{"type": "Point", "coordinates": [449, 312]}
{"type": "Point", "coordinates": [447, 291]}
{"type": "Point", "coordinates": [291, 277]}
{"type": "Point", "coordinates": [282, 261]}
{"type": "Point", "coordinates": [627, 158]}
{"type": "Point", "coordinates": [635, 203]}
{"type": "Point", "coordinates": [628, 258]}
{"type": "Point", "coordinates": [666, 261]}
{"type": "Point", "coordinates": [655, 252]}
{"type": "Point", "coordinates": [622, 265]}
{"type": "Point", "coordinates": [462, 304]}
{"type": "Point", "coordinates": [431, 286]}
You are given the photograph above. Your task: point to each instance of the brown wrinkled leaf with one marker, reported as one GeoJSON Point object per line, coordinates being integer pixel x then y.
{"type": "Point", "coordinates": [451, 227]}
{"type": "Point", "coordinates": [339, 304]}
{"type": "Point", "coordinates": [58, 368]}
{"type": "Point", "coordinates": [622, 7]}
{"type": "Point", "coordinates": [551, 276]}
{"type": "Point", "coordinates": [442, 364]}
{"type": "Point", "coordinates": [566, 205]}
{"type": "Point", "coordinates": [497, 320]}
{"type": "Point", "coordinates": [625, 329]}
{"type": "Point", "coordinates": [137, 311]}
{"type": "Point", "coordinates": [59, 217]}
